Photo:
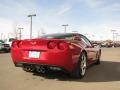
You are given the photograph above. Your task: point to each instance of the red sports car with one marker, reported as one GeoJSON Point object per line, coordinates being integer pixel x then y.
{"type": "Point", "coordinates": [69, 52]}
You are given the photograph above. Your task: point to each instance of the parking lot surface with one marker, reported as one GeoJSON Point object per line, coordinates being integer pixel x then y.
{"type": "Point", "coordinates": [105, 76]}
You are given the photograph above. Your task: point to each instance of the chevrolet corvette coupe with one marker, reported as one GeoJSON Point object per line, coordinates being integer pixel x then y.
{"type": "Point", "coordinates": [69, 52]}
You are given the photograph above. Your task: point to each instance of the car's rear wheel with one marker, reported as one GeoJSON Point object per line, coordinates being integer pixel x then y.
{"type": "Point", "coordinates": [81, 67]}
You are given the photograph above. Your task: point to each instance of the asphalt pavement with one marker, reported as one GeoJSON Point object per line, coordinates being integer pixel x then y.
{"type": "Point", "coordinates": [105, 76]}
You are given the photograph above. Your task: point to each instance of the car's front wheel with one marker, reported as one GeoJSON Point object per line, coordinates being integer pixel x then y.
{"type": "Point", "coordinates": [98, 59]}
{"type": "Point", "coordinates": [81, 67]}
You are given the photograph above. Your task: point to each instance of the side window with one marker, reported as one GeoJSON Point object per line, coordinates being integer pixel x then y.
{"type": "Point", "coordinates": [86, 41]}
{"type": "Point", "coordinates": [77, 37]}
{"type": "Point", "coordinates": [69, 37]}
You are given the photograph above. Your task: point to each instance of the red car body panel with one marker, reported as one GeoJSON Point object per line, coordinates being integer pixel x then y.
{"type": "Point", "coordinates": [66, 58]}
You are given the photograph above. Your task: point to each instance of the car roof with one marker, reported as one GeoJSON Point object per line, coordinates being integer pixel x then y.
{"type": "Point", "coordinates": [61, 34]}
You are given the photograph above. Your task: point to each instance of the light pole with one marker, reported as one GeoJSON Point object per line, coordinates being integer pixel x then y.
{"type": "Point", "coordinates": [65, 27]}
{"type": "Point", "coordinates": [8, 35]}
{"type": "Point", "coordinates": [20, 34]}
{"type": "Point", "coordinates": [31, 24]}
{"type": "Point", "coordinates": [113, 31]}
{"type": "Point", "coordinates": [93, 36]}
{"type": "Point", "coordinates": [116, 36]}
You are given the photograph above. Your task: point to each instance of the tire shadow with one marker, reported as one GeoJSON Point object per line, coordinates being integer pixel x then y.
{"type": "Point", "coordinates": [105, 72]}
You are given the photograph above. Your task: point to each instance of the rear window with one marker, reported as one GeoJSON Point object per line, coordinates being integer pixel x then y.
{"type": "Point", "coordinates": [58, 36]}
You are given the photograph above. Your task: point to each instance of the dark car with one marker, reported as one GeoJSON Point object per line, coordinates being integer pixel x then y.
{"type": "Point", "coordinates": [116, 44]}
{"type": "Point", "coordinates": [107, 44]}
{"type": "Point", "coordinates": [4, 47]}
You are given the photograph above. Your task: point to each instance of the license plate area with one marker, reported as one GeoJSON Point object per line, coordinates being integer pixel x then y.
{"type": "Point", "coordinates": [34, 54]}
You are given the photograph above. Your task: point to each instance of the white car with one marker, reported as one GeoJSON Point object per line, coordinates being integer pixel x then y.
{"type": "Point", "coordinates": [9, 41]}
{"type": "Point", "coordinates": [4, 47]}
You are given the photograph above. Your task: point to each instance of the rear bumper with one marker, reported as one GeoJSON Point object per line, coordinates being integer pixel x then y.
{"type": "Point", "coordinates": [47, 67]}
{"type": "Point", "coordinates": [63, 60]}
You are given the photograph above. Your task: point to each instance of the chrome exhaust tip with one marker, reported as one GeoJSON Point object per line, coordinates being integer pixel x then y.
{"type": "Point", "coordinates": [40, 69]}
{"type": "Point", "coordinates": [28, 68]}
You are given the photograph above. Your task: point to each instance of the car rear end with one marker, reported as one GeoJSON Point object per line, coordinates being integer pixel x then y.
{"type": "Point", "coordinates": [42, 53]}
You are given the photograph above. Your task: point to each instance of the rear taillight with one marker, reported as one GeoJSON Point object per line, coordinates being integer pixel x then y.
{"type": "Point", "coordinates": [62, 45]}
{"type": "Point", "coordinates": [51, 45]}
{"type": "Point", "coordinates": [16, 44]}
{"type": "Point", "coordinates": [19, 44]}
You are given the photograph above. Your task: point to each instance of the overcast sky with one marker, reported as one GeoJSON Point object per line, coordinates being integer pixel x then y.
{"type": "Point", "coordinates": [94, 17]}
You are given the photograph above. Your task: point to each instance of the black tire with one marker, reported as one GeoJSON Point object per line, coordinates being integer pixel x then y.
{"type": "Point", "coordinates": [80, 70]}
{"type": "Point", "coordinates": [25, 69]}
{"type": "Point", "coordinates": [97, 62]}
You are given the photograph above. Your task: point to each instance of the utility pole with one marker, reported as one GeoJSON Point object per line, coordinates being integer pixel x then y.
{"type": "Point", "coordinates": [20, 32]}
{"type": "Point", "coordinates": [31, 24]}
{"type": "Point", "coordinates": [116, 35]}
{"type": "Point", "coordinates": [119, 37]}
{"type": "Point", "coordinates": [113, 31]}
{"type": "Point", "coordinates": [65, 27]}
{"type": "Point", "coordinates": [8, 35]}
{"type": "Point", "coordinates": [93, 36]}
